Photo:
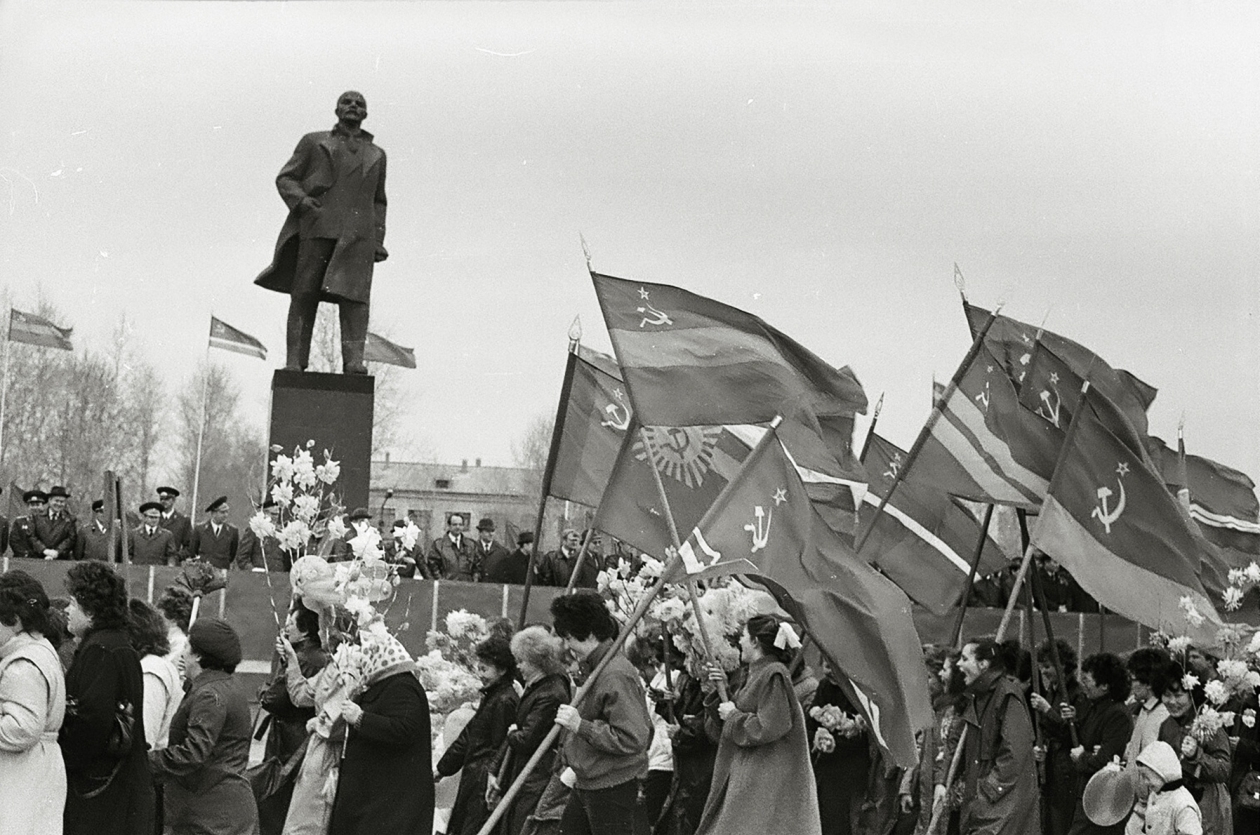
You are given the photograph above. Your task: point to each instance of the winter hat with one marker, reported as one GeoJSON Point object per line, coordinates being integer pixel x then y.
{"type": "Point", "coordinates": [214, 638]}
{"type": "Point", "coordinates": [1160, 757]}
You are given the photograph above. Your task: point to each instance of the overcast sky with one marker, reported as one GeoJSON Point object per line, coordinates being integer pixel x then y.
{"type": "Point", "coordinates": [823, 166]}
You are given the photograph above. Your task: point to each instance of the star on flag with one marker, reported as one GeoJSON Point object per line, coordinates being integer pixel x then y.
{"type": "Point", "coordinates": [780, 496]}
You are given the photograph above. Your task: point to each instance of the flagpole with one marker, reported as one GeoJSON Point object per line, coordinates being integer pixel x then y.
{"type": "Point", "coordinates": [557, 431]}
{"type": "Point", "coordinates": [201, 427]}
{"type": "Point", "coordinates": [581, 559]}
{"type": "Point", "coordinates": [637, 615]}
{"type": "Point", "coordinates": [870, 430]}
{"type": "Point", "coordinates": [1039, 594]}
{"type": "Point", "coordinates": [937, 410]}
{"type": "Point", "coordinates": [971, 575]}
{"type": "Point", "coordinates": [4, 385]}
{"type": "Point", "coordinates": [1183, 489]}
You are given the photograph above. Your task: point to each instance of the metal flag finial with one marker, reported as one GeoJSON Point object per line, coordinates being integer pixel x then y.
{"type": "Point", "coordinates": [575, 329]}
{"type": "Point", "coordinates": [960, 282]}
{"type": "Point", "coordinates": [586, 251]}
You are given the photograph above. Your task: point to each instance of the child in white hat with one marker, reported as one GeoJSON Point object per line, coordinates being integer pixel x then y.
{"type": "Point", "coordinates": [1169, 807]}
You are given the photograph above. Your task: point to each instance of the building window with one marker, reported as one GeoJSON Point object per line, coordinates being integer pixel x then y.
{"type": "Point", "coordinates": [442, 483]}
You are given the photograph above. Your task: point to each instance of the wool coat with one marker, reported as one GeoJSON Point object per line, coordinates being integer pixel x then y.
{"type": "Point", "coordinates": [93, 543]}
{"type": "Point", "coordinates": [535, 717]}
{"type": "Point", "coordinates": [386, 783]}
{"type": "Point", "coordinates": [1000, 795]}
{"type": "Point", "coordinates": [841, 774]}
{"type": "Point", "coordinates": [203, 768]}
{"type": "Point", "coordinates": [180, 527]}
{"type": "Point", "coordinates": [472, 753]}
{"type": "Point", "coordinates": [353, 213]}
{"type": "Point", "coordinates": [105, 672]}
{"type": "Point", "coordinates": [219, 551]}
{"type": "Point", "coordinates": [1206, 774]}
{"type": "Point", "coordinates": [447, 561]}
{"type": "Point", "coordinates": [156, 549]}
{"type": "Point", "coordinates": [762, 779]}
{"type": "Point", "coordinates": [59, 534]}
{"type": "Point", "coordinates": [22, 539]}
{"type": "Point", "coordinates": [511, 567]}
{"type": "Point", "coordinates": [1105, 728]}
{"type": "Point", "coordinates": [32, 705]}
{"type": "Point", "coordinates": [695, 750]}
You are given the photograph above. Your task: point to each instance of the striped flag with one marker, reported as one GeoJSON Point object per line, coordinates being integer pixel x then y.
{"type": "Point", "coordinates": [380, 349]}
{"type": "Point", "coordinates": [594, 419]}
{"type": "Point", "coordinates": [691, 361]}
{"type": "Point", "coordinates": [223, 335]}
{"type": "Point", "coordinates": [36, 330]}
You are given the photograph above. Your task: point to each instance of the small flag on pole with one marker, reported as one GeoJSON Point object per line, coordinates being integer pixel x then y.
{"type": "Point", "coordinates": [380, 349]}
{"type": "Point", "coordinates": [36, 330]}
{"type": "Point", "coordinates": [223, 335]}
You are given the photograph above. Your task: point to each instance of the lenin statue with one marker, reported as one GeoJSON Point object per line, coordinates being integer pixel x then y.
{"type": "Point", "coordinates": [334, 186]}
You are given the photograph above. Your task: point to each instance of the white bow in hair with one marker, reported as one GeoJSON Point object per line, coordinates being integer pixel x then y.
{"type": "Point", "coordinates": [786, 637]}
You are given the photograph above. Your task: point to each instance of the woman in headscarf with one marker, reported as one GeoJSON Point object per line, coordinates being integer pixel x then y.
{"type": "Point", "coordinates": [537, 653]}
{"type": "Point", "coordinates": [386, 782]}
{"type": "Point", "coordinates": [32, 704]}
{"type": "Point", "coordinates": [473, 750]}
{"type": "Point", "coordinates": [762, 780]}
{"type": "Point", "coordinates": [110, 789]}
{"type": "Point", "coordinates": [203, 767]}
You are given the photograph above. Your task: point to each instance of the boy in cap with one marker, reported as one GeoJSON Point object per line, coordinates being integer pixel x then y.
{"type": "Point", "coordinates": [216, 541]}
{"type": "Point", "coordinates": [1169, 808]}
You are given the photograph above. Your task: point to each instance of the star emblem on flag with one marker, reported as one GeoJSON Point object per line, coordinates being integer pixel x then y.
{"type": "Point", "coordinates": [1122, 469]}
{"type": "Point", "coordinates": [1054, 378]}
{"type": "Point", "coordinates": [643, 293]}
{"type": "Point", "coordinates": [780, 496]}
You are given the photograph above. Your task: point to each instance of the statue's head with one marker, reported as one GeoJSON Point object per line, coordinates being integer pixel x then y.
{"type": "Point", "coordinates": [351, 108]}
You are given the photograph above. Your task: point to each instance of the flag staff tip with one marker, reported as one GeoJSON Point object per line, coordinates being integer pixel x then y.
{"type": "Point", "coordinates": [586, 251]}
{"type": "Point", "coordinates": [1181, 426]}
{"type": "Point", "coordinates": [960, 282]}
{"type": "Point", "coordinates": [575, 329]}
{"type": "Point", "coordinates": [879, 404]}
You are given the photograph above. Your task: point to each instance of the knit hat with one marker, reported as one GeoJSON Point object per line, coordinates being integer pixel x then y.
{"type": "Point", "coordinates": [1160, 757]}
{"type": "Point", "coordinates": [214, 638]}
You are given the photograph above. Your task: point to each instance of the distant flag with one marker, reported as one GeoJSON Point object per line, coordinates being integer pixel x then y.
{"type": "Point", "coordinates": [223, 335]}
{"type": "Point", "coordinates": [36, 330]}
{"type": "Point", "coordinates": [764, 528]}
{"type": "Point", "coordinates": [1111, 522]}
{"type": "Point", "coordinates": [1220, 496]}
{"type": "Point", "coordinates": [691, 361]}
{"type": "Point", "coordinates": [595, 417]}
{"type": "Point", "coordinates": [923, 541]}
{"type": "Point", "coordinates": [980, 444]}
{"type": "Point", "coordinates": [1012, 342]}
{"type": "Point", "coordinates": [380, 349]}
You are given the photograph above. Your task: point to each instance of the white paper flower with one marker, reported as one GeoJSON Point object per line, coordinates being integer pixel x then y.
{"type": "Point", "coordinates": [1253, 572]}
{"type": "Point", "coordinates": [461, 623]}
{"type": "Point", "coordinates": [366, 542]}
{"type": "Point", "coordinates": [1249, 717]}
{"type": "Point", "coordinates": [282, 493]}
{"type": "Point", "coordinates": [306, 507]}
{"type": "Point", "coordinates": [336, 527]}
{"type": "Point", "coordinates": [262, 526]}
{"type": "Point", "coordinates": [410, 535]}
{"type": "Point", "coordinates": [1189, 681]}
{"type": "Point", "coordinates": [1179, 644]}
{"type": "Point", "coordinates": [1216, 692]}
{"type": "Point", "coordinates": [1232, 671]}
{"type": "Point", "coordinates": [294, 536]}
{"type": "Point", "coordinates": [282, 469]}
{"type": "Point", "coordinates": [1233, 598]}
{"type": "Point", "coordinates": [1237, 576]}
{"type": "Point", "coordinates": [304, 470]}
{"type": "Point", "coordinates": [651, 568]}
{"type": "Point", "coordinates": [1193, 616]}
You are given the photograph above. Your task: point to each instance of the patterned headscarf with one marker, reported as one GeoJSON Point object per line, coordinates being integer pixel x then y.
{"type": "Point", "coordinates": [384, 656]}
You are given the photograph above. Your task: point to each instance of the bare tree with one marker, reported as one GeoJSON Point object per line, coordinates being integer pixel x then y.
{"type": "Point", "coordinates": [232, 451]}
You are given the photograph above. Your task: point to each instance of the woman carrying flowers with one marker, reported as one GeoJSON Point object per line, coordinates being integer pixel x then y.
{"type": "Point", "coordinates": [1202, 746]}
{"type": "Point", "coordinates": [762, 780]}
{"type": "Point", "coordinates": [840, 752]}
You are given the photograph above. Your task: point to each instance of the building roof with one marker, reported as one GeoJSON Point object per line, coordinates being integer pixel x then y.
{"type": "Point", "coordinates": [417, 477]}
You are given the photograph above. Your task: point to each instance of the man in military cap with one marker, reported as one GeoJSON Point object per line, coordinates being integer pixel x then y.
{"type": "Point", "coordinates": [152, 544]}
{"type": "Point", "coordinates": [489, 552]}
{"type": "Point", "coordinates": [57, 529]}
{"type": "Point", "coordinates": [334, 186]}
{"type": "Point", "coordinates": [215, 541]}
{"type": "Point", "coordinates": [177, 523]}
{"type": "Point", "coordinates": [93, 541]}
{"type": "Point", "coordinates": [22, 536]}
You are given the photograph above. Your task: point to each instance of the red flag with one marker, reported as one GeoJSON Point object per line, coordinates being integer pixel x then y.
{"type": "Point", "coordinates": [1011, 342]}
{"type": "Point", "coordinates": [765, 528]}
{"type": "Point", "coordinates": [690, 361]}
{"type": "Point", "coordinates": [594, 421]}
{"type": "Point", "coordinates": [36, 330]}
{"type": "Point", "coordinates": [1110, 521]}
{"type": "Point", "coordinates": [223, 335]}
{"type": "Point", "coordinates": [982, 445]}
{"type": "Point", "coordinates": [923, 541]}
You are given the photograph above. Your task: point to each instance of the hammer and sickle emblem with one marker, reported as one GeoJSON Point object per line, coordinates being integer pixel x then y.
{"type": "Point", "coordinates": [619, 417]}
{"type": "Point", "coordinates": [894, 466]}
{"type": "Point", "coordinates": [652, 316]}
{"type": "Point", "coordinates": [983, 397]}
{"type": "Point", "coordinates": [760, 533]}
{"type": "Point", "coordinates": [1105, 514]}
{"type": "Point", "coordinates": [1050, 411]}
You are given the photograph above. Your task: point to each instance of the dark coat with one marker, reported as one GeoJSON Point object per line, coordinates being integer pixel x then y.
{"type": "Point", "coordinates": [219, 551]}
{"type": "Point", "coordinates": [180, 527]}
{"type": "Point", "coordinates": [265, 553]}
{"type": "Point", "coordinates": [105, 672]}
{"type": "Point", "coordinates": [203, 768]}
{"type": "Point", "coordinates": [765, 736]}
{"type": "Point", "coordinates": [555, 569]}
{"type": "Point", "coordinates": [1105, 728]}
{"type": "Point", "coordinates": [22, 539]}
{"type": "Point", "coordinates": [4, 533]}
{"type": "Point", "coordinates": [93, 543]}
{"type": "Point", "coordinates": [1000, 795]}
{"type": "Point", "coordinates": [355, 217]}
{"type": "Point", "coordinates": [841, 775]}
{"type": "Point", "coordinates": [473, 751]}
{"type": "Point", "coordinates": [511, 567]}
{"type": "Point", "coordinates": [288, 721]}
{"type": "Point", "coordinates": [535, 717]}
{"type": "Point", "coordinates": [158, 549]}
{"type": "Point", "coordinates": [386, 783]}
{"type": "Point", "coordinates": [495, 555]}
{"type": "Point", "coordinates": [447, 562]}
{"type": "Point", "coordinates": [59, 535]}
{"type": "Point", "coordinates": [695, 750]}
{"type": "Point", "coordinates": [1060, 789]}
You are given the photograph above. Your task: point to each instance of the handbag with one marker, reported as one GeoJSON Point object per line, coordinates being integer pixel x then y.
{"type": "Point", "coordinates": [122, 734]}
{"type": "Point", "coordinates": [1248, 794]}
{"type": "Point", "coordinates": [271, 775]}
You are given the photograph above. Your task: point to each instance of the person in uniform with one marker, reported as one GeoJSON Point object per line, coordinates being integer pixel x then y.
{"type": "Point", "coordinates": [489, 550]}
{"type": "Point", "coordinates": [453, 557]}
{"type": "Point", "coordinates": [22, 536]}
{"type": "Point", "coordinates": [334, 186]}
{"type": "Point", "coordinates": [152, 544]}
{"type": "Point", "coordinates": [177, 523]}
{"type": "Point", "coordinates": [93, 541]}
{"type": "Point", "coordinates": [57, 529]}
{"type": "Point", "coordinates": [214, 540]}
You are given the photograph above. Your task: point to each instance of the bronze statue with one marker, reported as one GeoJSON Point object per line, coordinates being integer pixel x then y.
{"type": "Point", "coordinates": [334, 186]}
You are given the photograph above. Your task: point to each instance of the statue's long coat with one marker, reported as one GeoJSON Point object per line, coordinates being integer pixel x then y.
{"type": "Point", "coordinates": [312, 172]}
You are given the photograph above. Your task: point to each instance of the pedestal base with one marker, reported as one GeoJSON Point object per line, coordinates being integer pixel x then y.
{"type": "Point", "coordinates": [335, 411]}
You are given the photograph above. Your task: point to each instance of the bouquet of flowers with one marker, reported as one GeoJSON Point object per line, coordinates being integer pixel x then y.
{"type": "Point", "coordinates": [308, 508]}
{"type": "Point", "coordinates": [834, 722]}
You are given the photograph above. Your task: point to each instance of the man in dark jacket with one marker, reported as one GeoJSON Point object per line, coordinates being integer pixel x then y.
{"type": "Point", "coordinates": [93, 541]}
{"type": "Point", "coordinates": [150, 543]}
{"type": "Point", "coordinates": [558, 566]}
{"type": "Point", "coordinates": [334, 186]}
{"type": "Point", "coordinates": [488, 548]}
{"type": "Point", "coordinates": [511, 567]}
{"type": "Point", "coordinates": [215, 541]}
{"type": "Point", "coordinates": [177, 523]}
{"type": "Point", "coordinates": [22, 536]}
{"type": "Point", "coordinates": [453, 557]}
{"type": "Point", "coordinates": [57, 530]}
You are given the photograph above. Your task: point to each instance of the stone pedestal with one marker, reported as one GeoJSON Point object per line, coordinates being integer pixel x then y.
{"type": "Point", "coordinates": [334, 410]}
